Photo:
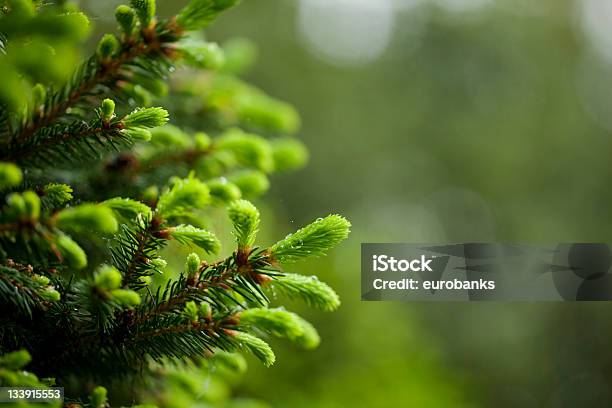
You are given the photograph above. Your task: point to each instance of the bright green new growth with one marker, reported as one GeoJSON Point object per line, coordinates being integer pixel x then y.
{"type": "Point", "coordinates": [191, 311]}
{"type": "Point", "coordinates": [223, 190]}
{"type": "Point", "coordinates": [250, 150]}
{"type": "Point", "coordinates": [15, 360]}
{"type": "Point", "coordinates": [73, 254]}
{"type": "Point", "coordinates": [183, 197]}
{"type": "Point", "coordinates": [108, 109]}
{"type": "Point", "coordinates": [313, 240]}
{"type": "Point", "coordinates": [32, 205]}
{"type": "Point", "coordinates": [146, 118]}
{"type": "Point", "coordinates": [200, 54]}
{"type": "Point", "coordinates": [125, 297]}
{"type": "Point", "coordinates": [87, 218]}
{"type": "Point", "coordinates": [107, 47]}
{"type": "Point", "coordinates": [240, 54]}
{"type": "Point", "coordinates": [245, 219]}
{"type": "Point", "coordinates": [281, 323]}
{"type": "Point", "coordinates": [126, 208]}
{"type": "Point", "coordinates": [192, 265]}
{"type": "Point", "coordinates": [233, 361]}
{"type": "Point", "coordinates": [50, 295]}
{"type": "Point", "coordinates": [308, 288]}
{"type": "Point", "coordinates": [39, 93]}
{"type": "Point", "coordinates": [252, 183]}
{"type": "Point", "coordinates": [199, 13]}
{"type": "Point", "coordinates": [188, 234]}
{"type": "Point", "coordinates": [205, 310]}
{"type": "Point", "coordinates": [137, 134]}
{"type": "Point", "coordinates": [98, 397]}
{"type": "Point", "coordinates": [56, 195]}
{"type": "Point", "coordinates": [309, 338]}
{"type": "Point", "coordinates": [125, 16]}
{"type": "Point", "coordinates": [288, 154]}
{"type": "Point", "coordinates": [257, 347]}
{"type": "Point", "coordinates": [10, 175]}
{"type": "Point", "coordinates": [108, 278]}
{"type": "Point", "coordinates": [145, 9]}
{"type": "Point", "coordinates": [169, 135]}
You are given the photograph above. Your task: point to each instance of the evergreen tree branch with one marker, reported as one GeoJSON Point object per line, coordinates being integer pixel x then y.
{"type": "Point", "coordinates": [95, 72]}
{"type": "Point", "coordinates": [135, 250]}
{"type": "Point", "coordinates": [77, 139]}
{"type": "Point", "coordinates": [25, 290]}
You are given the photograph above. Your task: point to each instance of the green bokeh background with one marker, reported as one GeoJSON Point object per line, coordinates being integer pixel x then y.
{"type": "Point", "coordinates": [483, 125]}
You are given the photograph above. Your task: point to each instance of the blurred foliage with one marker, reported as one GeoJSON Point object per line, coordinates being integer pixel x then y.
{"type": "Point", "coordinates": [478, 125]}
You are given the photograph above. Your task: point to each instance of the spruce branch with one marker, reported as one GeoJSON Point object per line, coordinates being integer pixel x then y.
{"type": "Point", "coordinates": [91, 75]}
{"type": "Point", "coordinates": [20, 286]}
{"type": "Point", "coordinates": [155, 47]}
{"type": "Point", "coordinates": [135, 249]}
{"type": "Point", "coordinates": [24, 226]}
{"type": "Point", "coordinates": [77, 264]}
{"type": "Point", "coordinates": [67, 142]}
{"type": "Point", "coordinates": [55, 195]}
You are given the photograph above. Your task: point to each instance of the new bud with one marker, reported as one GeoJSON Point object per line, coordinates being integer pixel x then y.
{"type": "Point", "coordinates": [288, 154]}
{"type": "Point", "coordinates": [223, 190]}
{"type": "Point", "coordinates": [32, 204]}
{"type": "Point", "coordinates": [126, 297]}
{"type": "Point", "coordinates": [10, 175]}
{"type": "Point", "coordinates": [87, 218]}
{"type": "Point", "coordinates": [205, 310]}
{"type": "Point", "coordinates": [245, 218]}
{"type": "Point", "coordinates": [41, 280]}
{"type": "Point", "coordinates": [73, 254]}
{"type": "Point", "coordinates": [146, 118]}
{"type": "Point", "coordinates": [192, 265]}
{"type": "Point", "coordinates": [108, 278]}
{"type": "Point", "coordinates": [107, 47]}
{"type": "Point", "coordinates": [145, 9]}
{"type": "Point", "coordinates": [188, 235]}
{"type": "Point", "coordinates": [183, 197]}
{"type": "Point", "coordinates": [257, 347]}
{"type": "Point", "coordinates": [190, 311]}
{"type": "Point", "coordinates": [203, 55]}
{"type": "Point", "coordinates": [108, 110]}
{"type": "Point", "coordinates": [15, 360]}
{"type": "Point", "coordinates": [98, 397]}
{"type": "Point", "coordinates": [252, 183]}
{"type": "Point", "coordinates": [202, 141]}
{"type": "Point", "coordinates": [39, 93]}
{"type": "Point", "coordinates": [125, 16]}
{"type": "Point", "coordinates": [50, 295]}
{"type": "Point", "coordinates": [137, 134]}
